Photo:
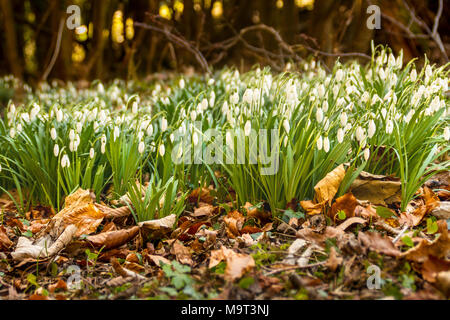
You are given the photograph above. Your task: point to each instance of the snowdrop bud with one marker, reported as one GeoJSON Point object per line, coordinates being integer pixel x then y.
{"type": "Point", "coordinates": [79, 127]}
{"type": "Point", "coordinates": [91, 153]}
{"type": "Point", "coordinates": [321, 90]}
{"type": "Point", "coordinates": [225, 107]}
{"type": "Point", "coordinates": [366, 154]}
{"type": "Point", "coordinates": [343, 119]}
{"type": "Point", "coordinates": [247, 128]}
{"type": "Point", "coordinates": [319, 143]}
{"type": "Point", "coordinates": [59, 116]}
{"type": "Point", "coordinates": [389, 126]}
{"type": "Point", "coordinates": [447, 133]}
{"type": "Point", "coordinates": [340, 135]}
{"type": "Point", "coordinates": [372, 128]}
{"type": "Point", "coordinates": [163, 124]}
{"type": "Point", "coordinates": [212, 99]}
{"type": "Point", "coordinates": [413, 75]}
{"type": "Point", "coordinates": [134, 107]}
{"type": "Point", "coordinates": [56, 150]}
{"type": "Point", "coordinates": [162, 150]}
{"type": "Point", "coordinates": [428, 71]}
{"type": "Point", "coordinates": [326, 144]}
{"type": "Point", "coordinates": [141, 147]}
{"type": "Point", "coordinates": [181, 83]}
{"type": "Point", "coordinates": [248, 96]}
{"type": "Point", "coordinates": [71, 134]}
{"type": "Point", "coordinates": [103, 148]}
{"type": "Point", "coordinates": [116, 133]}
{"type": "Point", "coordinates": [325, 106]}
{"type": "Point", "coordinates": [150, 129]}
{"type": "Point", "coordinates": [193, 115]}
{"type": "Point", "coordinates": [12, 108]}
{"type": "Point", "coordinates": [195, 138]}
{"type": "Point", "coordinates": [319, 115]}
{"type": "Point", "coordinates": [339, 75]}
{"type": "Point", "coordinates": [286, 126]}
{"type": "Point", "coordinates": [72, 146]}
{"type": "Point", "coordinates": [53, 133]}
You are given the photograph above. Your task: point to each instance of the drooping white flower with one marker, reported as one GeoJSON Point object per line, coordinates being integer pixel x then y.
{"type": "Point", "coordinates": [193, 115]}
{"type": "Point", "coordinates": [12, 132]}
{"type": "Point", "coordinates": [319, 115]}
{"type": "Point", "coordinates": [359, 133]}
{"type": "Point", "coordinates": [286, 126]}
{"type": "Point", "coordinates": [195, 138]}
{"type": "Point", "coordinates": [339, 75]}
{"type": "Point", "coordinates": [340, 135]}
{"type": "Point", "coordinates": [163, 124]}
{"type": "Point", "coordinates": [53, 133]}
{"type": "Point", "coordinates": [366, 154]}
{"type": "Point", "coordinates": [447, 133]}
{"type": "Point", "coordinates": [234, 99]}
{"type": "Point", "coordinates": [319, 143]}
{"type": "Point", "coordinates": [326, 144]}
{"type": "Point", "coordinates": [103, 148]}
{"type": "Point", "coordinates": [181, 83]}
{"type": "Point", "coordinates": [91, 153]}
{"type": "Point", "coordinates": [141, 147]}
{"type": "Point", "coordinates": [389, 126]}
{"type": "Point", "coordinates": [247, 128]}
{"type": "Point", "coordinates": [343, 119]}
{"type": "Point", "coordinates": [134, 107]}
{"type": "Point", "coordinates": [71, 134]}
{"type": "Point", "coordinates": [56, 150]}
{"type": "Point", "coordinates": [116, 133]}
{"type": "Point", "coordinates": [59, 115]}
{"type": "Point", "coordinates": [65, 162]}
{"type": "Point", "coordinates": [413, 75]}
{"type": "Point", "coordinates": [371, 129]}
{"type": "Point", "coordinates": [325, 106]}
{"type": "Point", "coordinates": [79, 127]}
{"type": "Point", "coordinates": [162, 150]}
{"type": "Point", "coordinates": [248, 96]}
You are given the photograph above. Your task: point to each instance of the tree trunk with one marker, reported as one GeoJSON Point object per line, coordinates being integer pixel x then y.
{"type": "Point", "coordinates": [11, 40]}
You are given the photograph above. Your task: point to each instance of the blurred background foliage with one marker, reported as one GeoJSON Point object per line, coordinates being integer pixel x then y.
{"type": "Point", "coordinates": [112, 40]}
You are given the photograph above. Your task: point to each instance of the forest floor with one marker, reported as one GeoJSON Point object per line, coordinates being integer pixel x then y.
{"type": "Point", "coordinates": [214, 252]}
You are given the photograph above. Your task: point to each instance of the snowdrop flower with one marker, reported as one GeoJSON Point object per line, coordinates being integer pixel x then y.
{"type": "Point", "coordinates": [340, 135]}
{"type": "Point", "coordinates": [116, 133]}
{"type": "Point", "coordinates": [234, 99]}
{"type": "Point", "coordinates": [150, 129]}
{"type": "Point", "coordinates": [193, 115]}
{"type": "Point", "coordinates": [134, 107]}
{"type": "Point", "coordinates": [371, 129]}
{"type": "Point", "coordinates": [181, 83]}
{"type": "Point", "coordinates": [56, 150]}
{"type": "Point", "coordinates": [71, 134]}
{"type": "Point", "coordinates": [428, 72]}
{"type": "Point", "coordinates": [163, 124]}
{"type": "Point", "coordinates": [91, 153]}
{"type": "Point", "coordinates": [366, 154]}
{"type": "Point", "coordinates": [162, 150]}
{"type": "Point", "coordinates": [65, 162]}
{"type": "Point", "coordinates": [225, 107]}
{"type": "Point", "coordinates": [172, 137]}
{"type": "Point", "coordinates": [53, 134]}
{"type": "Point", "coordinates": [286, 126]}
{"type": "Point", "coordinates": [59, 115]}
{"type": "Point", "coordinates": [365, 97]}
{"type": "Point", "coordinates": [79, 127]}
{"type": "Point", "coordinates": [339, 75]}
{"type": "Point", "coordinates": [343, 119]}
{"type": "Point", "coordinates": [103, 139]}
{"type": "Point", "coordinates": [319, 143]}
{"type": "Point", "coordinates": [325, 106]}
{"type": "Point", "coordinates": [359, 134]}
{"type": "Point", "coordinates": [204, 104]}
{"type": "Point", "coordinates": [247, 128]}
{"type": "Point", "coordinates": [319, 115]}
{"type": "Point", "coordinates": [25, 117]}
{"type": "Point", "coordinates": [321, 90]}
{"type": "Point", "coordinates": [326, 144]}
{"type": "Point", "coordinates": [248, 96]}
{"type": "Point", "coordinates": [103, 148]}
{"type": "Point", "coordinates": [141, 147]}
{"type": "Point", "coordinates": [102, 116]}
{"type": "Point", "coordinates": [383, 112]}
{"type": "Point", "coordinates": [389, 126]}
{"type": "Point", "coordinates": [72, 146]}
{"type": "Point", "coordinates": [195, 138]}
{"type": "Point", "coordinates": [409, 116]}
{"type": "Point", "coordinates": [413, 75]}
{"type": "Point", "coordinates": [447, 133]}
{"type": "Point", "coordinates": [212, 98]}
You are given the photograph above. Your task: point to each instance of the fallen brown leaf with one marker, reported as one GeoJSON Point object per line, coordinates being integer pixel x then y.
{"type": "Point", "coordinates": [346, 203]}
{"type": "Point", "coordinates": [377, 189]}
{"type": "Point", "coordinates": [237, 263]}
{"type": "Point", "coordinates": [5, 242]}
{"type": "Point", "coordinates": [182, 253]}
{"type": "Point", "coordinates": [326, 189]}
{"type": "Point", "coordinates": [234, 222]}
{"type": "Point", "coordinates": [333, 260]}
{"type": "Point", "coordinates": [311, 208]}
{"type": "Point", "coordinates": [432, 266]}
{"type": "Point", "coordinates": [376, 242]}
{"type": "Point", "coordinates": [113, 239]}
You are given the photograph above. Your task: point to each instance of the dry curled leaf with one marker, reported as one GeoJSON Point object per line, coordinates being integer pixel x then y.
{"type": "Point", "coordinates": [326, 189]}
{"type": "Point", "coordinates": [5, 242]}
{"type": "Point", "coordinates": [346, 203]}
{"type": "Point", "coordinates": [234, 222]}
{"type": "Point", "coordinates": [377, 189]}
{"type": "Point", "coordinates": [158, 228]}
{"type": "Point", "coordinates": [113, 239]}
{"type": "Point", "coordinates": [237, 263]}
{"type": "Point", "coordinates": [439, 247]}
{"type": "Point", "coordinates": [376, 242]}
{"type": "Point", "coordinates": [311, 208]}
{"type": "Point", "coordinates": [182, 253]}
{"type": "Point", "coordinates": [112, 213]}
{"type": "Point", "coordinates": [432, 266]}
{"type": "Point", "coordinates": [333, 260]}
{"type": "Point", "coordinates": [430, 202]}
{"type": "Point", "coordinates": [204, 209]}
{"type": "Point", "coordinates": [201, 195]}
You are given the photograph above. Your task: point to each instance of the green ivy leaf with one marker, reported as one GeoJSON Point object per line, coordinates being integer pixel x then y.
{"type": "Point", "coordinates": [408, 241]}
{"type": "Point", "coordinates": [384, 212]}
